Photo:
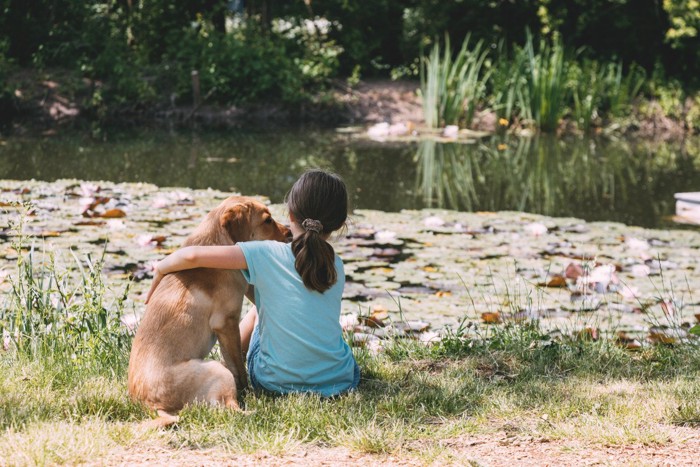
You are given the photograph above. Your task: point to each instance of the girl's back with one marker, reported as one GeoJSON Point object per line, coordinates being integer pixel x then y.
{"type": "Point", "coordinates": [301, 347]}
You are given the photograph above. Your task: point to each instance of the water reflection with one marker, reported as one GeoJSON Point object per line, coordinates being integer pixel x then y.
{"type": "Point", "coordinates": [632, 182]}
{"type": "Point", "coordinates": [592, 179]}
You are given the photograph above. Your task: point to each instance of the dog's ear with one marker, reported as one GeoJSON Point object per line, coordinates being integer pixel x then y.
{"type": "Point", "coordinates": [235, 220]}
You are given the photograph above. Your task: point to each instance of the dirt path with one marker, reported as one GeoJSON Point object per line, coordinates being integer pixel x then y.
{"type": "Point", "coordinates": [500, 449]}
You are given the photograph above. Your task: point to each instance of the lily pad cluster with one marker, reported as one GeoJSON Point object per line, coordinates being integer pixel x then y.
{"type": "Point", "coordinates": [410, 274]}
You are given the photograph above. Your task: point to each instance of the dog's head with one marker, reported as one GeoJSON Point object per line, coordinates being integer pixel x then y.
{"type": "Point", "coordinates": [246, 219]}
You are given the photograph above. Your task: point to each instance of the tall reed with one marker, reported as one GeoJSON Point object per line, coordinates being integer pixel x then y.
{"type": "Point", "coordinates": [545, 93]}
{"type": "Point", "coordinates": [602, 91]}
{"type": "Point", "coordinates": [506, 85]}
{"type": "Point", "coordinates": [451, 88]}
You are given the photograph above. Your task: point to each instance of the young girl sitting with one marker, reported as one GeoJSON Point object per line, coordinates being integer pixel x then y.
{"type": "Point", "coordinates": [293, 339]}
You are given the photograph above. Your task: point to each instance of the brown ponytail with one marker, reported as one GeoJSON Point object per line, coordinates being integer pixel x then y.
{"type": "Point", "coordinates": [319, 203]}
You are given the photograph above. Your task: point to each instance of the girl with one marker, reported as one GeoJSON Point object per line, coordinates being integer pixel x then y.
{"type": "Point", "coordinates": [293, 339]}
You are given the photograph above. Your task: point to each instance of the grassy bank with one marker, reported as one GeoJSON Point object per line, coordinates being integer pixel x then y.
{"type": "Point", "coordinates": [57, 411]}
{"type": "Point", "coordinates": [63, 397]}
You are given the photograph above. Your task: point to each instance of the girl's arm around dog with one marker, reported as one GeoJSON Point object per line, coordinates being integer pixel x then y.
{"type": "Point", "coordinates": [216, 257]}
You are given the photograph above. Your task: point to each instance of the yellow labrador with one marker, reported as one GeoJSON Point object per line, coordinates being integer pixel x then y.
{"type": "Point", "coordinates": [189, 311]}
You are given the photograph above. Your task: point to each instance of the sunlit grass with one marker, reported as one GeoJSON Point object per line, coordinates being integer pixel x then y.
{"type": "Point", "coordinates": [56, 408]}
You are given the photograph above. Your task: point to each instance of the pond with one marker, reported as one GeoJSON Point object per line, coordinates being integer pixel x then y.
{"type": "Point", "coordinates": [594, 179]}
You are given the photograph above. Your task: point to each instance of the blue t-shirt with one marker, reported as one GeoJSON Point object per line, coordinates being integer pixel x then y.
{"type": "Point", "coordinates": [301, 340]}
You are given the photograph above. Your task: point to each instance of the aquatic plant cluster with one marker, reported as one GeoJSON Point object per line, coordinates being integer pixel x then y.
{"type": "Point", "coordinates": [533, 86]}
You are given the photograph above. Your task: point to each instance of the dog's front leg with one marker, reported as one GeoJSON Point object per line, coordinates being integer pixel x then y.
{"type": "Point", "coordinates": [227, 332]}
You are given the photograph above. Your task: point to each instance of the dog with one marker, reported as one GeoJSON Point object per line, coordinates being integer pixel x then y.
{"type": "Point", "coordinates": [189, 311]}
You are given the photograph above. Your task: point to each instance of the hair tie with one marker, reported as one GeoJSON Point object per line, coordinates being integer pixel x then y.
{"type": "Point", "coordinates": [312, 225]}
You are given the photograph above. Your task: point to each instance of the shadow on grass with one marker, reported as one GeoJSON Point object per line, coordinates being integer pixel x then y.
{"type": "Point", "coordinates": [409, 392]}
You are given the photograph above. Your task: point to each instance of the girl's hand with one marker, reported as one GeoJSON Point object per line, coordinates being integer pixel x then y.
{"type": "Point", "coordinates": [157, 277]}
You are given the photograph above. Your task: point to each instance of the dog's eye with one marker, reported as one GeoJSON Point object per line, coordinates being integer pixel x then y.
{"type": "Point", "coordinates": [268, 220]}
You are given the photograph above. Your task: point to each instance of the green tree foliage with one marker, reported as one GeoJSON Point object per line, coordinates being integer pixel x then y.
{"type": "Point", "coordinates": [144, 51]}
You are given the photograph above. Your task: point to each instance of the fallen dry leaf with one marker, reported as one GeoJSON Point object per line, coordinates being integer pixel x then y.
{"type": "Point", "coordinates": [491, 317]}
{"type": "Point", "coordinates": [557, 280]}
{"type": "Point", "coordinates": [112, 214]}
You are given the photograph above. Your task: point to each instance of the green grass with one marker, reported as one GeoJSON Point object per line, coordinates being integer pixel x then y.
{"type": "Point", "coordinates": [590, 391]}
{"type": "Point", "coordinates": [62, 407]}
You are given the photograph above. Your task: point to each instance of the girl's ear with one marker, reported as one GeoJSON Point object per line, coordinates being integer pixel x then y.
{"type": "Point", "coordinates": [235, 220]}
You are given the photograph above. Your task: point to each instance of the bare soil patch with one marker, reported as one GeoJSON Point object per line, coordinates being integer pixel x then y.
{"type": "Point", "coordinates": [499, 449]}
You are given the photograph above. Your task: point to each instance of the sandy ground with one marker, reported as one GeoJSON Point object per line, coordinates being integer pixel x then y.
{"type": "Point", "coordinates": [500, 449]}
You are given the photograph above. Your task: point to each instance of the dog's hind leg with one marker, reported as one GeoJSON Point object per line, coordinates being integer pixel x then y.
{"type": "Point", "coordinates": [206, 381]}
{"type": "Point", "coordinates": [229, 336]}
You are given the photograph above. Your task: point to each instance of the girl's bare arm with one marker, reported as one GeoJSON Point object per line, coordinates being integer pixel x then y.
{"type": "Point", "coordinates": [216, 257]}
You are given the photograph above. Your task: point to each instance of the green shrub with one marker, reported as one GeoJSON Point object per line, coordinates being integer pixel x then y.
{"type": "Point", "coordinates": [242, 67]}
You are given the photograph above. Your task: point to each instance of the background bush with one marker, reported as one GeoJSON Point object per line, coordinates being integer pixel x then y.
{"type": "Point", "coordinates": [142, 53]}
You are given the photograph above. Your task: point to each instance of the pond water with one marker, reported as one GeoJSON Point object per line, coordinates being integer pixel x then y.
{"type": "Point", "coordinates": [594, 179]}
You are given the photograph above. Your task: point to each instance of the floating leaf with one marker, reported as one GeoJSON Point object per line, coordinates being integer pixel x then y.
{"type": "Point", "coordinates": [557, 280]}
{"type": "Point", "coordinates": [695, 330]}
{"type": "Point", "coordinates": [50, 233]}
{"type": "Point", "coordinates": [584, 302]}
{"type": "Point", "coordinates": [379, 312]}
{"type": "Point", "coordinates": [588, 334]}
{"type": "Point", "coordinates": [573, 271]}
{"type": "Point", "coordinates": [627, 342]}
{"type": "Point", "coordinates": [371, 322]}
{"type": "Point", "coordinates": [112, 214]}
{"type": "Point", "coordinates": [413, 326]}
{"type": "Point", "coordinates": [491, 317]}
{"type": "Point", "coordinates": [667, 307]}
{"type": "Point", "coordinates": [665, 335]}
{"type": "Point", "coordinates": [90, 223]}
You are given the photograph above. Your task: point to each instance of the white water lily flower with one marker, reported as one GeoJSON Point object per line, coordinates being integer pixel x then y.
{"type": "Point", "coordinates": [130, 322]}
{"type": "Point", "coordinates": [536, 229]}
{"type": "Point", "coordinates": [116, 224]}
{"type": "Point", "coordinates": [348, 321]}
{"type": "Point", "coordinates": [379, 130]}
{"type": "Point", "coordinates": [85, 202]}
{"type": "Point", "coordinates": [399, 129]}
{"type": "Point", "coordinates": [88, 189]}
{"type": "Point", "coordinates": [161, 202]}
{"type": "Point", "coordinates": [599, 277]}
{"type": "Point", "coordinates": [640, 270]}
{"type": "Point", "coordinates": [636, 244]}
{"type": "Point", "coordinates": [630, 293]}
{"type": "Point", "coordinates": [433, 221]}
{"type": "Point", "coordinates": [146, 240]}
{"type": "Point", "coordinates": [384, 235]}
{"type": "Point", "coordinates": [451, 131]}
